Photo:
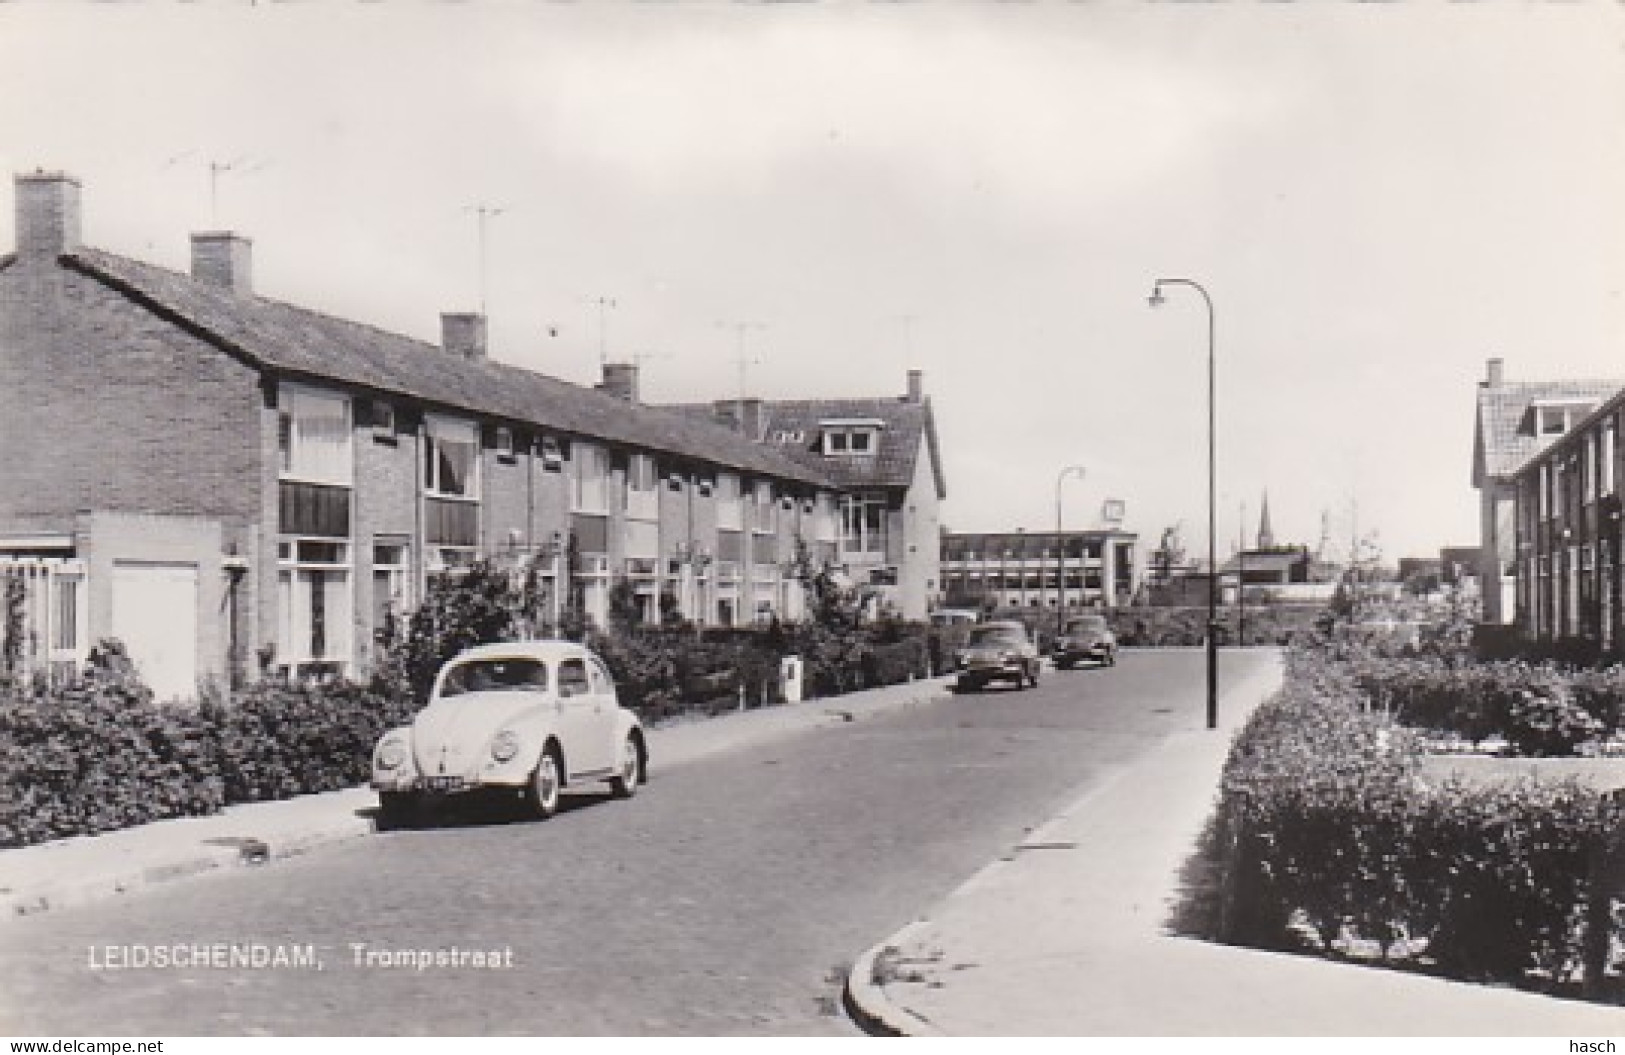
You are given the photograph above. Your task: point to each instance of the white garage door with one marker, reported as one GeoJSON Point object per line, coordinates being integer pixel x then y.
{"type": "Point", "coordinates": [155, 615]}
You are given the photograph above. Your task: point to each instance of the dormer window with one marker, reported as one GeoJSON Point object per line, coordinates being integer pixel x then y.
{"type": "Point", "coordinates": [1554, 421]}
{"type": "Point", "coordinates": [851, 437]}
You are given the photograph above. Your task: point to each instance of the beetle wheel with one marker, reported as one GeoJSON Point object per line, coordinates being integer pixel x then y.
{"type": "Point", "coordinates": [624, 784]}
{"type": "Point", "coordinates": [546, 782]}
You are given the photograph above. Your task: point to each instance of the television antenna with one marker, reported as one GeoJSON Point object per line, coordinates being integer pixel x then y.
{"type": "Point", "coordinates": [484, 212]}
{"type": "Point", "coordinates": [741, 359]}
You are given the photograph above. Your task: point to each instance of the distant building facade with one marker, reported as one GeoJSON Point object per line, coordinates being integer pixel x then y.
{"type": "Point", "coordinates": [1039, 569]}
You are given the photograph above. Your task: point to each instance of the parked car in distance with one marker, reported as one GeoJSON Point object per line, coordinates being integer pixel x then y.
{"type": "Point", "coordinates": [997, 651]}
{"type": "Point", "coordinates": [1085, 637]}
{"type": "Point", "coordinates": [954, 616]}
{"type": "Point", "coordinates": [524, 719]}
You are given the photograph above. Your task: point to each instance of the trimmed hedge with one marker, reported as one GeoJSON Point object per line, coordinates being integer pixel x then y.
{"type": "Point", "coordinates": [1329, 837]}
{"type": "Point", "coordinates": [99, 754]}
{"type": "Point", "coordinates": [1540, 709]}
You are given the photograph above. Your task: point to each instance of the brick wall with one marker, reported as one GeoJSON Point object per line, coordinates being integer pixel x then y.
{"type": "Point", "coordinates": [108, 407]}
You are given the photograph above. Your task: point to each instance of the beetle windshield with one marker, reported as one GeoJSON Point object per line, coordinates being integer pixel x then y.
{"type": "Point", "coordinates": [996, 636]}
{"type": "Point", "coordinates": [1093, 625]}
{"type": "Point", "coordinates": [495, 675]}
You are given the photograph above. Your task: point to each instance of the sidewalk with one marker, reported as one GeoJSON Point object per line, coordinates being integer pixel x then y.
{"type": "Point", "coordinates": [77, 871]}
{"type": "Point", "coordinates": [1064, 936]}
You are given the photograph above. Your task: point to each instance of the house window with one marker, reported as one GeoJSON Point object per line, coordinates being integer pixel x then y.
{"type": "Point", "coordinates": [1554, 421]}
{"type": "Point", "coordinates": [552, 454]}
{"type": "Point", "coordinates": [730, 507]}
{"type": "Point", "coordinates": [314, 606]}
{"type": "Point", "coordinates": [1588, 468]}
{"type": "Point", "coordinates": [506, 448]}
{"type": "Point", "coordinates": [642, 488]}
{"type": "Point", "coordinates": [313, 436]}
{"type": "Point", "coordinates": [850, 439]}
{"type": "Point", "coordinates": [450, 462]}
{"type": "Point", "coordinates": [762, 508]}
{"type": "Point", "coordinates": [863, 524]}
{"type": "Point", "coordinates": [591, 464]}
{"type": "Point", "coordinates": [824, 523]}
{"type": "Point", "coordinates": [391, 581]}
{"type": "Point", "coordinates": [590, 582]}
{"type": "Point", "coordinates": [1609, 453]}
{"type": "Point", "coordinates": [383, 421]}
{"type": "Point", "coordinates": [448, 562]}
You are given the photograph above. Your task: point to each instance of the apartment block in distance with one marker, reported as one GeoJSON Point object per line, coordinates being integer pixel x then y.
{"type": "Point", "coordinates": [1040, 569]}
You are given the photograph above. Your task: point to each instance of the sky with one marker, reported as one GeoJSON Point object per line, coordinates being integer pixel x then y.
{"type": "Point", "coordinates": [1377, 198]}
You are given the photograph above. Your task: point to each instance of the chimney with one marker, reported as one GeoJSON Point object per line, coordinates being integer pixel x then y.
{"type": "Point", "coordinates": [223, 259]}
{"type": "Point", "coordinates": [1495, 371]}
{"type": "Point", "coordinates": [726, 412]}
{"type": "Point", "coordinates": [916, 386]}
{"type": "Point", "coordinates": [750, 418]}
{"type": "Point", "coordinates": [741, 415]}
{"type": "Point", "coordinates": [462, 333]}
{"type": "Point", "coordinates": [47, 213]}
{"type": "Point", "coordinates": [621, 381]}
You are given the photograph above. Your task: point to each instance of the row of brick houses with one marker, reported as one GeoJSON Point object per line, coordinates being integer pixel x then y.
{"type": "Point", "coordinates": [228, 483]}
{"type": "Point", "coordinates": [1570, 536]}
{"type": "Point", "coordinates": [1549, 468]}
{"type": "Point", "coordinates": [885, 457]}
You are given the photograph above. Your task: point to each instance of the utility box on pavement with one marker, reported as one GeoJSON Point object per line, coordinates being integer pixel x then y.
{"type": "Point", "coordinates": [790, 679]}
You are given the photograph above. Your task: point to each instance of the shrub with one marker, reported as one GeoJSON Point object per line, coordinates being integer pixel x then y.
{"type": "Point", "coordinates": [276, 741]}
{"type": "Point", "coordinates": [1326, 825]}
{"type": "Point", "coordinates": [97, 755]}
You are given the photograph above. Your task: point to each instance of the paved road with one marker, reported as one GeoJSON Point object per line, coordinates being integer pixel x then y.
{"type": "Point", "coordinates": [727, 898]}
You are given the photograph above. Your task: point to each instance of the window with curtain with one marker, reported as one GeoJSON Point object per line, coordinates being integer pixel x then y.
{"type": "Point", "coordinates": [313, 435]}
{"type": "Point", "coordinates": [451, 458]}
{"type": "Point", "coordinates": [730, 508]}
{"type": "Point", "coordinates": [591, 465]}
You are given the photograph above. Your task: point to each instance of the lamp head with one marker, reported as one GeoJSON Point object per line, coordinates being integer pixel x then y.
{"type": "Point", "coordinates": [1156, 299]}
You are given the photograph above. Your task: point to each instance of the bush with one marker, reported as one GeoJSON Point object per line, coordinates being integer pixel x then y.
{"type": "Point", "coordinates": [277, 741]}
{"type": "Point", "coordinates": [1328, 834]}
{"type": "Point", "coordinates": [98, 754]}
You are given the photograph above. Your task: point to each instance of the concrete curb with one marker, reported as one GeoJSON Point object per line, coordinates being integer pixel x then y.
{"type": "Point", "coordinates": [866, 1000]}
{"type": "Point", "coordinates": [60, 892]}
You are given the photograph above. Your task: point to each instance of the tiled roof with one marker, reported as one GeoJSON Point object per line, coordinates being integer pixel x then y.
{"type": "Point", "coordinates": [296, 341]}
{"type": "Point", "coordinates": [1500, 443]}
{"type": "Point", "coordinates": [792, 426]}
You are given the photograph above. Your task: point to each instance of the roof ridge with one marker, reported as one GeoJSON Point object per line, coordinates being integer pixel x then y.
{"type": "Point", "coordinates": [690, 439]}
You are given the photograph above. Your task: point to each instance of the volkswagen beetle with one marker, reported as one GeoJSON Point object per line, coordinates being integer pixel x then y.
{"type": "Point", "coordinates": [528, 718]}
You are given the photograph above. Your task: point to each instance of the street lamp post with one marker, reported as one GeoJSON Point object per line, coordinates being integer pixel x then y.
{"type": "Point", "coordinates": [1060, 549]}
{"type": "Point", "coordinates": [1156, 300]}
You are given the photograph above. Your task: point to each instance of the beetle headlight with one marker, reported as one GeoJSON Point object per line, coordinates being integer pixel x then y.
{"type": "Point", "coordinates": [505, 745]}
{"type": "Point", "coordinates": [391, 753]}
